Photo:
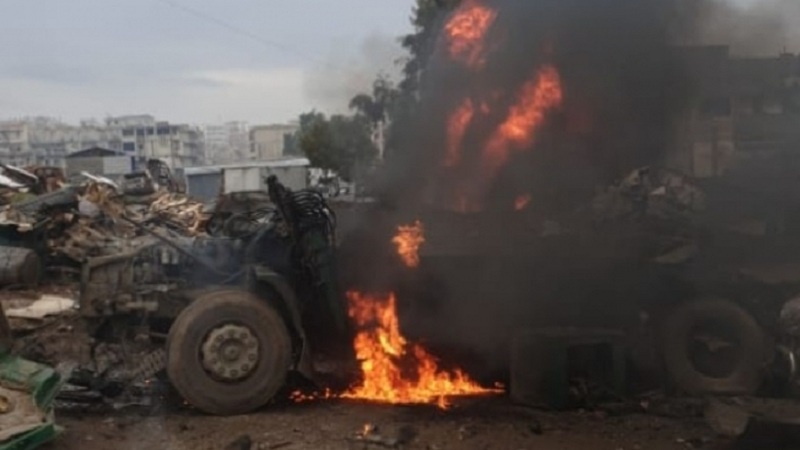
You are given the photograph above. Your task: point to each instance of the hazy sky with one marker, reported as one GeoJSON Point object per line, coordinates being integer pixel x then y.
{"type": "Point", "coordinates": [198, 61]}
{"type": "Point", "coordinates": [193, 60]}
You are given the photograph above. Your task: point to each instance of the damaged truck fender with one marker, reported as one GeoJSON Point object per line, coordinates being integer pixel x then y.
{"type": "Point", "coordinates": [287, 303]}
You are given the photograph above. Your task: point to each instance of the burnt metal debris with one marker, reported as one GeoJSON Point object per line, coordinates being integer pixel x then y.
{"type": "Point", "coordinates": [163, 278]}
{"type": "Point", "coordinates": [27, 393]}
{"type": "Point", "coordinates": [148, 263]}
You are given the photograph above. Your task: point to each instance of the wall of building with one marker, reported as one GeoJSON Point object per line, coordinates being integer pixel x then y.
{"type": "Point", "coordinates": [178, 145]}
{"type": "Point", "coordinates": [226, 143]}
{"type": "Point", "coordinates": [204, 186]}
{"type": "Point", "coordinates": [253, 178]}
{"type": "Point", "coordinates": [268, 142]}
{"type": "Point", "coordinates": [743, 109]}
{"type": "Point", "coordinates": [14, 143]}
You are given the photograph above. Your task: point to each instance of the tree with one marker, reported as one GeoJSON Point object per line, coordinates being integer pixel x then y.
{"type": "Point", "coordinates": [340, 143]}
{"type": "Point", "coordinates": [377, 107]}
{"type": "Point", "coordinates": [389, 108]}
{"type": "Point", "coordinates": [427, 20]}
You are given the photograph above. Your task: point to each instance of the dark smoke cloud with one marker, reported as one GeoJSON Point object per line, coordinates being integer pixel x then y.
{"type": "Point", "coordinates": [623, 84]}
{"type": "Point", "coordinates": [350, 70]}
{"type": "Point", "coordinates": [626, 87]}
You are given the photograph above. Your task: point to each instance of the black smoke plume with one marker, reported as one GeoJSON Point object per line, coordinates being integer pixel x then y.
{"type": "Point", "coordinates": [625, 88]}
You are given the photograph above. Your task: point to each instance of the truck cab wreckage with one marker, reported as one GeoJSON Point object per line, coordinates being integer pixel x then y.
{"type": "Point", "coordinates": [224, 314]}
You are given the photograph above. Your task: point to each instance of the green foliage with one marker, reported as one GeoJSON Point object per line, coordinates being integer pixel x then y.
{"type": "Point", "coordinates": [427, 19]}
{"type": "Point", "coordinates": [343, 143]}
{"type": "Point", "coordinates": [391, 107]}
{"type": "Point", "coordinates": [376, 107]}
{"type": "Point", "coordinates": [339, 143]}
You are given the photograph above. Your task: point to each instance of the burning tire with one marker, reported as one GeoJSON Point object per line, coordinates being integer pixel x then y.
{"type": "Point", "coordinates": [714, 346]}
{"type": "Point", "coordinates": [228, 352]}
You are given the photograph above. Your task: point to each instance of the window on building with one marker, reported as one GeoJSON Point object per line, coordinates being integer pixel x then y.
{"type": "Point", "coordinates": [129, 146]}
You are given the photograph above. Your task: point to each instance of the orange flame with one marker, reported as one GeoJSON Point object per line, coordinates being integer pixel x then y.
{"type": "Point", "coordinates": [537, 96]}
{"type": "Point", "coordinates": [522, 202]}
{"type": "Point", "coordinates": [466, 31]}
{"type": "Point", "coordinates": [456, 128]}
{"type": "Point", "coordinates": [393, 370]}
{"type": "Point", "coordinates": [409, 239]}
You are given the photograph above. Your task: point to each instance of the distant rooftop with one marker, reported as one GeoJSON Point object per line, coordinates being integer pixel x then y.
{"type": "Point", "coordinates": [282, 162]}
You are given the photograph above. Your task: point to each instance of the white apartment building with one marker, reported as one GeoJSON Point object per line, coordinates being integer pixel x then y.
{"type": "Point", "coordinates": [268, 142]}
{"type": "Point", "coordinates": [227, 142]}
{"type": "Point", "coordinates": [47, 142]}
{"type": "Point", "coordinates": [177, 145]}
{"type": "Point", "coordinates": [14, 143]}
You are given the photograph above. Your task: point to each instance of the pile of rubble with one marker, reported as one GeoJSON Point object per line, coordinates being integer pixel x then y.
{"type": "Point", "coordinates": [67, 225]}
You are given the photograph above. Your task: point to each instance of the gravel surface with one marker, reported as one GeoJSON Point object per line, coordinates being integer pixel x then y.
{"type": "Point", "coordinates": [470, 424]}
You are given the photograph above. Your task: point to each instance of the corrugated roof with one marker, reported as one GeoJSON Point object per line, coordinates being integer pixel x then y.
{"type": "Point", "coordinates": [286, 162]}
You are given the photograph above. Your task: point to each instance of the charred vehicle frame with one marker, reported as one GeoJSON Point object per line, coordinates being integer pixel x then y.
{"type": "Point", "coordinates": [232, 308]}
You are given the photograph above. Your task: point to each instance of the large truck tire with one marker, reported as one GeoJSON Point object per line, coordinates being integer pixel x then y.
{"type": "Point", "coordinates": [714, 346]}
{"type": "Point", "coordinates": [228, 352]}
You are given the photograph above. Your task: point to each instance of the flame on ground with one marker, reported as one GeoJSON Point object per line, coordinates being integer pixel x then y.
{"type": "Point", "coordinates": [466, 32]}
{"type": "Point", "coordinates": [536, 98]}
{"type": "Point", "coordinates": [408, 240]}
{"type": "Point", "coordinates": [394, 370]}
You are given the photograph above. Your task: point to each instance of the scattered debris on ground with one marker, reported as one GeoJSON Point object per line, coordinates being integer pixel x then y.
{"type": "Point", "coordinates": [27, 394]}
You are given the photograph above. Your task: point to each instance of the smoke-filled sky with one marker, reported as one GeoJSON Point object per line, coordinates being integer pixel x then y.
{"type": "Point", "coordinates": [206, 61]}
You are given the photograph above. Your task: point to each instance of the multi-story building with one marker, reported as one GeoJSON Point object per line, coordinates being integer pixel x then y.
{"type": "Point", "coordinates": [177, 145]}
{"type": "Point", "coordinates": [51, 141]}
{"type": "Point", "coordinates": [14, 143]}
{"type": "Point", "coordinates": [269, 142]}
{"type": "Point", "coordinates": [745, 110]}
{"type": "Point", "coordinates": [226, 143]}
{"type": "Point", "coordinates": [47, 142]}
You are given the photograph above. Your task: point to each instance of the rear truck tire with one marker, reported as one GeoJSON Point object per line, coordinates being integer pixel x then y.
{"type": "Point", "coordinates": [228, 352]}
{"type": "Point", "coordinates": [714, 346]}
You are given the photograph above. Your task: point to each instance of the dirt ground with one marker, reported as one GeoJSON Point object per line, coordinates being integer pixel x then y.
{"type": "Point", "coordinates": [470, 424]}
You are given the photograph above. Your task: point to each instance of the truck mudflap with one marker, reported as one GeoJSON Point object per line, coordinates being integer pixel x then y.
{"type": "Point", "coordinates": [27, 392]}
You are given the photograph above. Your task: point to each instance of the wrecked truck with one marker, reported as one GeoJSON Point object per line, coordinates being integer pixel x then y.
{"type": "Point", "coordinates": [228, 315]}
{"type": "Point", "coordinates": [675, 265]}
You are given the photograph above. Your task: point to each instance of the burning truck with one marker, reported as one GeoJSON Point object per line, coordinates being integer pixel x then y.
{"type": "Point", "coordinates": [227, 310]}
{"type": "Point", "coordinates": [505, 247]}
{"type": "Point", "coordinates": [534, 164]}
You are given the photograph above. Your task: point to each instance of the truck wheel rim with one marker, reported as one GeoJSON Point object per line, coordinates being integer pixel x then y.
{"type": "Point", "coordinates": [230, 352]}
